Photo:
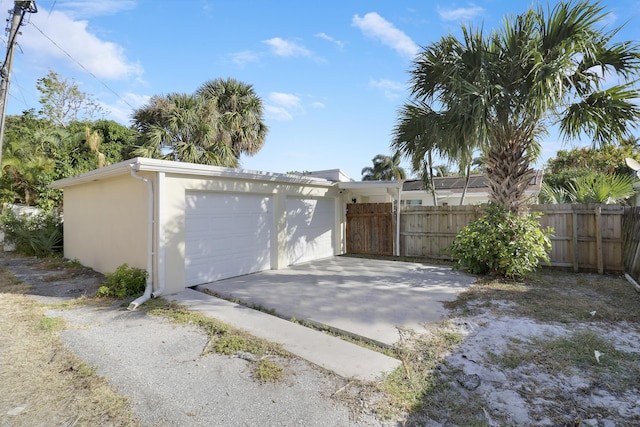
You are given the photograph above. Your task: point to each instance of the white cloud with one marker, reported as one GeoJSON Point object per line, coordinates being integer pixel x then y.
{"type": "Point", "coordinates": [391, 89]}
{"type": "Point", "coordinates": [286, 100]}
{"type": "Point", "coordinates": [375, 26]}
{"type": "Point", "coordinates": [460, 13]}
{"type": "Point", "coordinates": [318, 104]}
{"type": "Point", "coordinates": [102, 58]}
{"type": "Point", "coordinates": [282, 106]}
{"type": "Point", "coordinates": [277, 113]}
{"type": "Point", "coordinates": [244, 57]}
{"type": "Point", "coordinates": [281, 47]}
{"type": "Point", "coordinates": [338, 43]}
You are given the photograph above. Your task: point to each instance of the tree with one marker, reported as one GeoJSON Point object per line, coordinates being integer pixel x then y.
{"type": "Point", "coordinates": [385, 168]}
{"type": "Point", "coordinates": [240, 114]}
{"type": "Point", "coordinates": [214, 126]}
{"type": "Point", "coordinates": [414, 136]}
{"type": "Point", "coordinates": [504, 89]}
{"type": "Point", "coordinates": [182, 127]}
{"type": "Point", "coordinates": [63, 102]}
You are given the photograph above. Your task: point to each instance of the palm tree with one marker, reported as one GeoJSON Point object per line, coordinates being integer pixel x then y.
{"type": "Point", "coordinates": [505, 88]}
{"type": "Point", "coordinates": [418, 136]}
{"type": "Point", "coordinates": [385, 168]}
{"type": "Point", "coordinates": [240, 114]}
{"type": "Point", "coordinates": [184, 128]}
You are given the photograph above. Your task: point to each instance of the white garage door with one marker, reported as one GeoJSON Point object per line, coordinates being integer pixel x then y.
{"type": "Point", "coordinates": [226, 235]}
{"type": "Point", "coordinates": [310, 229]}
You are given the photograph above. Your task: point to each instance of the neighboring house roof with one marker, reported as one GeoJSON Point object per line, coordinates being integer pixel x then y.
{"type": "Point", "coordinates": [455, 184]}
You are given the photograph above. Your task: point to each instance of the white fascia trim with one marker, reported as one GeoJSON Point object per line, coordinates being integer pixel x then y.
{"type": "Point", "coordinates": [369, 185]}
{"type": "Point", "coordinates": [142, 164]}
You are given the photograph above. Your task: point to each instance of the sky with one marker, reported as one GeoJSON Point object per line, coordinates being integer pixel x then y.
{"type": "Point", "coordinates": [332, 74]}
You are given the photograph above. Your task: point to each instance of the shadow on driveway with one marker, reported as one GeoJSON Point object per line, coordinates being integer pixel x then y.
{"type": "Point", "coordinates": [361, 297]}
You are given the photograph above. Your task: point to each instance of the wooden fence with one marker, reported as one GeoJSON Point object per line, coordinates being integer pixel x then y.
{"type": "Point", "coordinates": [631, 246]}
{"type": "Point", "coordinates": [586, 237]}
{"type": "Point", "coordinates": [370, 228]}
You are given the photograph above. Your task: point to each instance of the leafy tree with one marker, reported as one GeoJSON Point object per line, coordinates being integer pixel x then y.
{"type": "Point", "coordinates": [63, 102]}
{"type": "Point", "coordinates": [385, 168]}
{"type": "Point", "coordinates": [505, 88]}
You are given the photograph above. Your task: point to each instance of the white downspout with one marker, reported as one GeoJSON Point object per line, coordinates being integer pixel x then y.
{"type": "Point", "coordinates": [398, 222]}
{"type": "Point", "coordinates": [160, 243]}
{"type": "Point", "coordinates": [149, 287]}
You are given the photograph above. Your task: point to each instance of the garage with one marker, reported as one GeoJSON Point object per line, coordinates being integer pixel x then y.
{"type": "Point", "coordinates": [188, 224]}
{"type": "Point", "coordinates": [310, 229]}
{"type": "Point", "coordinates": [226, 235]}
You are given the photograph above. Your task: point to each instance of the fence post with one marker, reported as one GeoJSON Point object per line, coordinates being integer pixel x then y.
{"type": "Point", "coordinates": [574, 224]}
{"type": "Point", "coordinates": [599, 254]}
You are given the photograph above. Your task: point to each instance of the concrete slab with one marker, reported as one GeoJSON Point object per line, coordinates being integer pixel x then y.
{"type": "Point", "coordinates": [362, 297]}
{"type": "Point", "coordinates": [345, 359]}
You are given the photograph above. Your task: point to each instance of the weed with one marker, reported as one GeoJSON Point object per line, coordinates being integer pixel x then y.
{"type": "Point", "coordinates": [51, 324]}
{"type": "Point", "coordinates": [125, 281]}
{"type": "Point", "coordinates": [266, 371]}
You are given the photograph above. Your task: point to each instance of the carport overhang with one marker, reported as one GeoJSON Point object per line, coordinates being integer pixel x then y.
{"type": "Point", "coordinates": [376, 188]}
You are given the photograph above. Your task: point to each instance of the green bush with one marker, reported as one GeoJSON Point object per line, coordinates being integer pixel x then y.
{"type": "Point", "coordinates": [124, 282]}
{"type": "Point", "coordinates": [37, 234]}
{"type": "Point", "coordinates": [502, 243]}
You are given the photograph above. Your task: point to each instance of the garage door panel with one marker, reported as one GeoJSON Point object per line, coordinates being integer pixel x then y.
{"type": "Point", "coordinates": [310, 229]}
{"type": "Point", "coordinates": [226, 235]}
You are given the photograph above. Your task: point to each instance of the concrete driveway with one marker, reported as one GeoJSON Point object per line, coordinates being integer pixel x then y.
{"type": "Point", "coordinates": [361, 297]}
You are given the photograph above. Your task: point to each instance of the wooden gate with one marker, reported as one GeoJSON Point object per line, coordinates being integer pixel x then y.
{"type": "Point", "coordinates": [370, 228]}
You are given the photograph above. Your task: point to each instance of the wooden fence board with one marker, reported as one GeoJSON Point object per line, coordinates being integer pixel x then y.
{"type": "Point", "coordinates": [586, 237]}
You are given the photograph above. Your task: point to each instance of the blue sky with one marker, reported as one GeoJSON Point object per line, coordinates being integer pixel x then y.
{"type": "Point", "coordinates": [332, 75]}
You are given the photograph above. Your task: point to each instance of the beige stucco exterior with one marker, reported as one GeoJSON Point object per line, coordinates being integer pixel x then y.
{"type": "Point", "coordinates": [106, 223]}
{"type": "Point", "coordinates": [108, 217]}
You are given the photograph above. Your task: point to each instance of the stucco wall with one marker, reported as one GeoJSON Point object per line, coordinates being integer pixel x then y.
{"type": "Point", "coordinates": [108, 223]}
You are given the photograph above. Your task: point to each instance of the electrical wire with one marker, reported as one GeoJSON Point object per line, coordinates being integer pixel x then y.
{"type": "Point", "coordinates": [82, 66]}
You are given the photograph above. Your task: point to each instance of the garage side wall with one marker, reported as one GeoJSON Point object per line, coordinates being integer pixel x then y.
{"type": "Point", "coordinates": [177, 187]}
{"type": "Point", "coordinates": [107, 223]}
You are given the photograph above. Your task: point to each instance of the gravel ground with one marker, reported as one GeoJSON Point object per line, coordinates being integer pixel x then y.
{"type": "Point", "coordinates": [160, 368]}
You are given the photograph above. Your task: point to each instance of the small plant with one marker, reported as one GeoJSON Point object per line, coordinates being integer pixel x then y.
{"type": "Point", "coordinates": [37, 234]}
{"type": "Point", "coordinates": [124, 282]}
{"type": "Point", "coordinates": [267, 371]}
{"type": "Point", "coordinates": [502, 243]}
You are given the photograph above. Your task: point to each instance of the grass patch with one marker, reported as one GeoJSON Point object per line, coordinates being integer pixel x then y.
{"type": "Point", "coordinates": [419, 387]}
{"type": "Point", "coordinates": [564, 355]}
{"type": "Point", "coordinates": [267, 371]}
{"type": "Point", "coordinates": [51, 324]}
{"type": "Point", "coordinates": [40, 375]}
{"type": "Point", "coordinates": [556, 297]}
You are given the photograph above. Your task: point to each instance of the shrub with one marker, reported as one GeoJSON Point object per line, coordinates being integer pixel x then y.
{"type": "Point", "coordinates": [502, 243]}
{"type": "Point", "coordinates": [124, 282]}
{"type": "Point", "coordinates": [38, 234]}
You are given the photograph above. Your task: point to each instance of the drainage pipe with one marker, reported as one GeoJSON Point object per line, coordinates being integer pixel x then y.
{"type": "Point", "coordinates": [149, 287]}
{"type": "Point", "coordinates": [398, 221]}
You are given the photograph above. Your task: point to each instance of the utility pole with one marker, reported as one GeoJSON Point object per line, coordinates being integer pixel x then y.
{"type": "Point", "coordinates": [20, 9]}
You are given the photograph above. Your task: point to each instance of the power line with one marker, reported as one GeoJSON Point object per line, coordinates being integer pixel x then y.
{"type": "Point", "coordinates": [82, 66]}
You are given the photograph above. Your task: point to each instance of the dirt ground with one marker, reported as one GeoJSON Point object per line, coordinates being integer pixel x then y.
{"type": "Point", "coordinates": [562, 349]}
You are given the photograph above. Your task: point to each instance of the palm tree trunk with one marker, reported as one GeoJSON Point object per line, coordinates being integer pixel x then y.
{"type": "Point", "coordinates": [467, 175]}
{"type": "Point", "coordinates": [508, 174]}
